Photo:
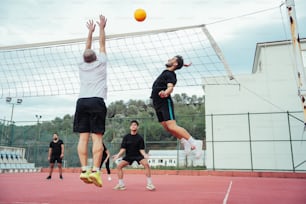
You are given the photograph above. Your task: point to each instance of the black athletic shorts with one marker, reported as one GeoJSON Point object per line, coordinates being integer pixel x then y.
{"type": "Point", "coordinates": [130, 160]}
{"type": "Point", "coordinates": [90, 115]}
{"type": "Point", "coordinates": [58, 159]}
{"type": "Point", "coordinates": [165, 111]}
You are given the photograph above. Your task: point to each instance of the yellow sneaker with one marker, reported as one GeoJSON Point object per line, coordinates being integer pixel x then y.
{"type": "Point", "coordinates": [96, 178]}
{"type": "Point", "coordinates": [84, 176]}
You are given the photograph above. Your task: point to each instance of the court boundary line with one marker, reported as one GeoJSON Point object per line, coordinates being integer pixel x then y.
{"type": "Point", "coordinates": [227, 192]}
{"type": "Point", "coordinates": [20, 202]}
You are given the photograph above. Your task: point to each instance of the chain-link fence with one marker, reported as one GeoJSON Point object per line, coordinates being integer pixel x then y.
{"type": "Point", "coordinates": [35, 137]}
{"type": "Point", "coordinates": [247, 141]}
{"type": "Point", "coordinates": [256, 141]}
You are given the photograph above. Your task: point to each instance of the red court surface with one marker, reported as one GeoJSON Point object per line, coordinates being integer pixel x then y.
{"type": "Point", "coordinates": [33, 188]}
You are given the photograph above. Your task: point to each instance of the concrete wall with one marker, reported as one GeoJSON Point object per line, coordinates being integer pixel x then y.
{"type": "Point", "coordinates": [271, 87]}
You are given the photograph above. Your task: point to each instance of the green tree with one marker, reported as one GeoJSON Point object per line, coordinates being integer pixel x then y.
{"type": "Point", "coordinates": [35, 137]}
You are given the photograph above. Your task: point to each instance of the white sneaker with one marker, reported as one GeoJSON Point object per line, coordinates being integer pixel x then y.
{"type": "Point", "coordinates": [150, 187]}
{"type": "Point", "coordinates": [119, 187]}
{"type": "Point", "coordinates": [197, 153]}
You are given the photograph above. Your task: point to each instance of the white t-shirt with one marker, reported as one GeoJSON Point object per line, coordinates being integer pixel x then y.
{"type": "Point", "coordinates": [93, 78]}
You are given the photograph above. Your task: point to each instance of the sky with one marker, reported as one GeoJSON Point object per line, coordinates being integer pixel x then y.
{"type": "Point", "coordinates": [235, 25]}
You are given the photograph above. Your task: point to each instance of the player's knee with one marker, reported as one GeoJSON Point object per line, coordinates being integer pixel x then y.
{"type": "Point", "coordinates": [119, 167]}
{"type": "Point", "coordinates": [172, 127]}
{"type": "Point", "coordinates": [146, 166]}
{"type": "Point", "coordinates": [166, 128]}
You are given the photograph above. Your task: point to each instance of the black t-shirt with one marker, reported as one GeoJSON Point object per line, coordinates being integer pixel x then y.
{"type": "Point", "coordinates": [56, 147]}
{"type": "Point", "coordinates": [161, 84]}
{"type": "Point", "coordinates": [132, 144]}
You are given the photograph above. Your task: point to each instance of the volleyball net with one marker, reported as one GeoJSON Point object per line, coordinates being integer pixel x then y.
{"type": "Point", "coordinates": [135, 60]}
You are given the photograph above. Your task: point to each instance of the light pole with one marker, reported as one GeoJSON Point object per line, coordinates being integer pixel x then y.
{"type": "Point", "coordinates": [38, 117]}
{"type": "Point", "coordinates": [10, 101]}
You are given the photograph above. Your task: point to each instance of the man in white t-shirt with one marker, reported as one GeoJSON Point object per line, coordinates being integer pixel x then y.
{"type": "Point", "coordinates": [90, 114]}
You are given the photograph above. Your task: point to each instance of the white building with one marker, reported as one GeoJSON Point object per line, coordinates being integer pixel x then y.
{"type": "Point", "coordinates": [234, 115]}
{"type": "Point", "coordinates": [176, 158]}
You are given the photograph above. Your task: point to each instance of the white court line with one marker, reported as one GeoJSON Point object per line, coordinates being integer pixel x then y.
{"type": "Point", "coordinates": [20, 202]}
{"type": "Point", "coordinates": [227, 192]}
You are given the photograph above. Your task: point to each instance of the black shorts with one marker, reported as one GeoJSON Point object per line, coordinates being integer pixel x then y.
{"type": "Point", "coordinates": [58, 159]}
{"type": "Point", "coordinates": [165, 111]}
{"type": "Point", "coordinates": [90, 115]}
{"type": "Point", "coordinates": [130, 160]}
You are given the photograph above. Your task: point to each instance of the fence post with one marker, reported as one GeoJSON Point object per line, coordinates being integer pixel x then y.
{"type": "Point", "coordinates": [290, 138]}
{"type": "Point", "coordinates": [145, 133]}
{"type": "Point", "coordinates": [177, 154]}
{"type": "Point", "coordinates": [11, 134]}
{"type": "Point", "coordinates": [250, 142]}
{"type": "Point", "coordinates": [212, 141]}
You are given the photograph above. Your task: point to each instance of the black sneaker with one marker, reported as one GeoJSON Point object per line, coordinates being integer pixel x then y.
{"type": "Point", "coordinates": [61, 177]}
{"type": "Point", "coordinates": [49, 177]}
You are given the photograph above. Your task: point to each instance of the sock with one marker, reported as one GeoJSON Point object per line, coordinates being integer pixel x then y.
{"type": "Point", "coordinates": [186, 144]}
{"type": "Point", "coordinates": [191, 141]}
{"type": "Point", "coordinates": [95, 169]}
{"type": "Point", "coordinates": [183, 141]}
{"type": "Point", "coordinates": [149, 180]}
{"type": "Point", "coordinates": [84, 168]}
{"type": "Point", "coordinates": [121, 182]}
